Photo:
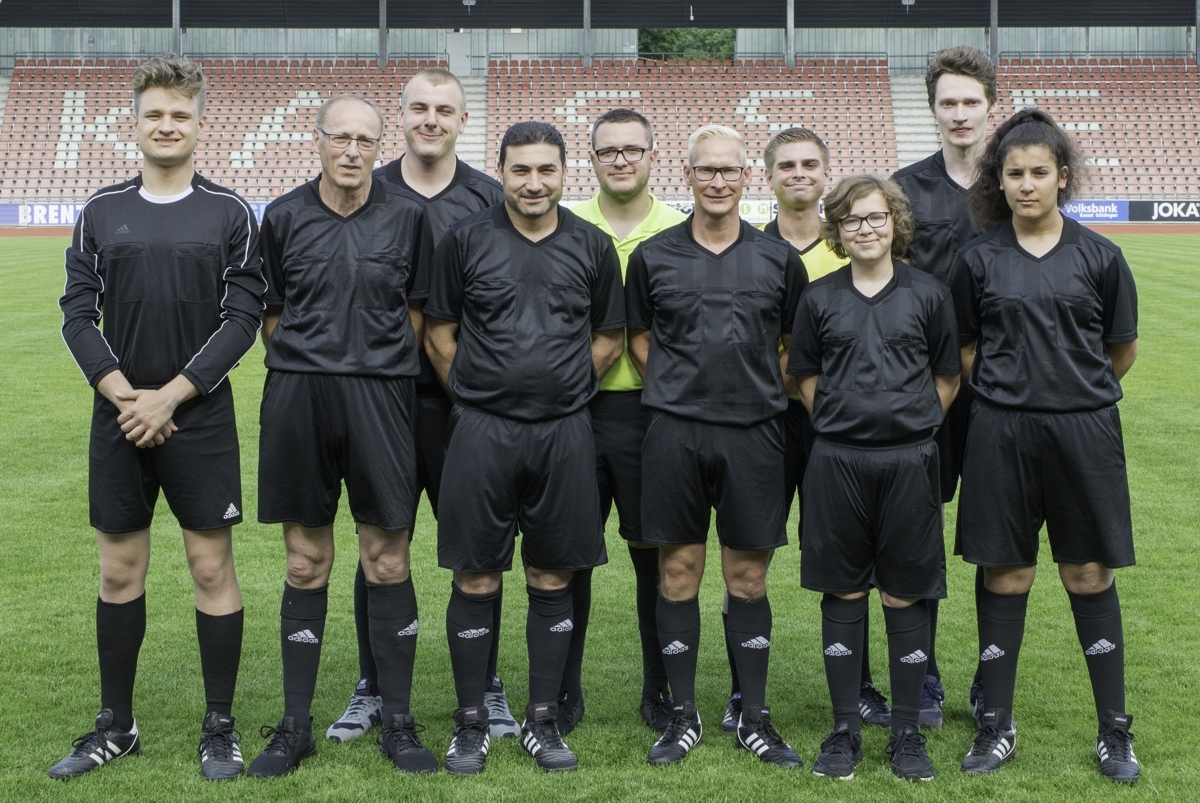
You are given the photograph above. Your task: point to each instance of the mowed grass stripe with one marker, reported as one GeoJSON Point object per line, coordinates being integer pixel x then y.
{"type": "Point", "coordinates": [49, 577]}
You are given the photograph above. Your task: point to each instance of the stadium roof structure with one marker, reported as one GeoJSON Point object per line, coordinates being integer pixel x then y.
{"type": "Point", "coordinates": [605, 13]}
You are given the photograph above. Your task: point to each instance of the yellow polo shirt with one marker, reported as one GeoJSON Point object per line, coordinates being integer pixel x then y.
{"type": "Point", "coordinates": [623, 376]}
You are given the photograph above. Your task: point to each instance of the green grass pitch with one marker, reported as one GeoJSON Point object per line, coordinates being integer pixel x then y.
{"type": "Point", "coordinates": [49, 578]}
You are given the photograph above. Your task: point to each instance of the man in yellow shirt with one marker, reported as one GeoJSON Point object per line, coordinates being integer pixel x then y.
{"type": "Point", "coordinates": [623, 156]}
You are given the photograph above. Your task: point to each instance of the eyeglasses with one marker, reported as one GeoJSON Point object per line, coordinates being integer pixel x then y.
{"type": "Point", "coordinates": [609, 155]}
{"type": "Point", "coordinates": [705, 173]}
{"type": "Point", "coordinates": [340, 141]}
{"type": "Point", "coordinates": [875, 220]}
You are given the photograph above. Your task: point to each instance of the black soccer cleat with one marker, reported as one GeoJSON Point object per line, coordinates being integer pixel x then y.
{"type": "Point", "coordinates": [97, 748]}
{"type": "Point", "coordinates": [932, 694]}
{"type": "Point", "coordinates": [910, 762]}
{"type": "Point", "coordinates": [289, 746]}
{"type": "Point", "coordinates": [873, 706]}
{"type": "Point", "coordinates": [657, 709]}
{"type": "Point", "coordinates": [541, 739]}
{"type": "Point", "coordinates": [995, 743]}
{"type": "Point", "coordinates": [220, 756]}
{"type": "Point", "coordinates": [733, 713]}
{"type": "Point", "coordinates": [761, 738]}
{"type": "Point", "coordinates": [399, 742]}
{"type": "Point", "coordinates": [682, 734]}
{"type": "Point", "coordinates": [1114, 748]}
{"type": "Point", "coordinates": [570, 712]}
{"type": "Point", "coordinates": [840, 753]}
{"type": "Point", "coordinates": [468, 750]}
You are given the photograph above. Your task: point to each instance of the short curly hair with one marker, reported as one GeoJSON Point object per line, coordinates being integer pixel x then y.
{"type": "Point", "coordinates": [170, 72]}
{"type": "Point", "coordinates": [855, 188]}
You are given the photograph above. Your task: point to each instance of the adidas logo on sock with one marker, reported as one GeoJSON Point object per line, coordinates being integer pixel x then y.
{"type": "Point", "coordinates": [305, 637]}
{"type": "Point", "coordinates": [757, 643]}
{"type": "Point", "coordinates": [411, 630]}
{"type": "Point", "coordinates": [838, 650]}
{"type": "Point", "coordinates": [475, 633]}
{"type": "Point", "coordinates": [991, 652]}
{"type": "Point", "coordinates": [124, 229]}
{"type": "Point", "coordinates": [914, 658]}
{"type": "Point", "coordinates": [565, 626]}
{"type": "Point", "coordinates": [674, 648]}
{"type": "Point", "coordinates": [1100, 647]}
{"type": "Point", "coordinates": [232, 512]}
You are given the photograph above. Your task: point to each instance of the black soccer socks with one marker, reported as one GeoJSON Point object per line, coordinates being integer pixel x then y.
{"type": "Point", "coordinates": [865, 671]}
{"type": "Point", "coordinates": [842, 633]}
{"type": "Point", "coordinates": [120, 630]}
{"type": "Point", "coordinates": [220, 640]}
{"type": "Point", "coordinates": [748, 636]}
{"type": "Point", "coordinates": [735, 683]}
{"type": "Point", "coordinates": [1001, 629]}
{"type": "Point", "coordinates": [494, 654]}
{"type": "Point", "coordinates": [392, 610]}
{"type": "Point", "coordinates": [1098, 624]}
{"type": "Point", "coordinates": [678, 642]}
{"type": "Point", "coordinates": [581, 610]}
{"type": "Point", "coordinates": [469, 622]}
{"type": "Point", "coordinates": [301, 631]}
{"type": "Point", "coordinates": [548, 629]}
{"type": "Point", "coordinates": [908, 645]}
{"type": "Point", "coordinates": [645, 571]}
{"type": "Point", "coordinates": [362, 628]}
{"type": "Point", "coordinates": [932, 668]}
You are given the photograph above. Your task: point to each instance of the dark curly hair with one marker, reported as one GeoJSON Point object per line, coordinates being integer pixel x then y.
{"type": "Point", "coordinates": [1028, 128]}
{"type": "Point", "coordinates": [838, 203]}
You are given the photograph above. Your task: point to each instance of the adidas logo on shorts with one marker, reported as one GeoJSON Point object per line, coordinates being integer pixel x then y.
{"type": "Point", "coordinates": [1100, 647]}
{"type": "Point", "coordinates": [411, 630]}
{"type": "Point", "coordinates": [565, 626]}
{"type": "Point", "coordinates": [991, 652]}
{"type": "Point", "coordinates": [476, 633]}
{"type": "Point", "coordinates": [231, 512]}
{"type": "Point", "coordinates": [837, 650]}
{"type": "Point", "coordinates": [914, 658]}
{"type": "Point", "coordinates": [674, 648]}
{"type": "Point", "coordinates": [305, 637]}
{"type": "Point", "coordinates": [757, 643]}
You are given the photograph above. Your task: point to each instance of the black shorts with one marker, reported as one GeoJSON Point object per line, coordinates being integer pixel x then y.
{"type": "Point", "coordinates": [318, 429]}
{"type": "Point", "coordinates": [433, 420]}
{"type": "Point", "coordinates": [619, 425]}
{"type": "Point", "coordinates": [798, 438]}
{"type": "Point", "coordinates": [1064, 469]}
{"type": "Point", "coordinates": [503, 474]}
{"type": "Point", "coordinates": [951, 439]}
{"type": "Point", "coordinates": [197, 468]}
{"type": "Point", "coordinates": [873, 517]}
{"type": "Point", "coordinates": [690, 467]}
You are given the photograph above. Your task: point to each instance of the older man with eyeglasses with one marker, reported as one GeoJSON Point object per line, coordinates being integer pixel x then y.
{"type": "Point", "coordinates": [344, 258]}
{"type": "Point", "coordinates": [708, 303]}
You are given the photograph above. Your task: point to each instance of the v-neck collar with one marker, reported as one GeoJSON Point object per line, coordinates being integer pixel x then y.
{"type": "Point", "coordinates": [373, 197]}
{"type": "Point", "coordinates": [1068, 235]}
{"type": "Point", "coordinates": [501, 218]}
{"type": "Point", "coordinates": [687, 227]}
{"type": "Point", "coordinates": [462, 174]}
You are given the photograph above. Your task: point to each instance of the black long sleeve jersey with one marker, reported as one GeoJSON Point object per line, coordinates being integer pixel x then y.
{"type": "Point", "coordinates": [178, 285]}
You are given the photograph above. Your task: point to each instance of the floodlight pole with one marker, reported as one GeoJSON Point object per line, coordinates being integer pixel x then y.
{"type": "Point", "coordinates": [789, 39]}
{"type": "Point", "coordinates": [1196, 32]}
{"type": "Point", "coordinates": [587, 33]}
{"type": "Point", "coordinates": [383, 34]}
{"type": "Point", "coordinates": [994, 31]}
{"type": "Point", "coordinates": [176, 36]}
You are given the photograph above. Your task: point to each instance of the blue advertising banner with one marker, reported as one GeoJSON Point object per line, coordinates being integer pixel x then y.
{"type": "Point", "coordinates": [1091, 211]}
{"type": "Point", "coordinates": [61, 214]}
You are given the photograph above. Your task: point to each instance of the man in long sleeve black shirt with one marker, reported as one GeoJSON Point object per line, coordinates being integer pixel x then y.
{"type": "Point", "coordinates": [170, 262]}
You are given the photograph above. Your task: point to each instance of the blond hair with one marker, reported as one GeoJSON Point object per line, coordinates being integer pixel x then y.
{"type": "Point", "coordinates": [713, 131]}
{"type": "Point", "coordinates": [170, 72]}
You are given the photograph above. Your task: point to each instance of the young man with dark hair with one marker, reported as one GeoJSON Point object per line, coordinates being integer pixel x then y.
{"type": "Point", "coordinates": [875, 354]}
{"type": "Point", "coordinates": [345, 257]}
{"type": "Point", "coordinates": [623, 156]}
{"type": "Point", "coordinates": [170, 261]}
{"type": "Point", "coordinates": [432, 116]}
{"type": "Point", "coordinates": [709, 301]}
{"type": "Point", "coordinates": [961, 84]}
{"type": "Point", "coordinates": [525, 313]}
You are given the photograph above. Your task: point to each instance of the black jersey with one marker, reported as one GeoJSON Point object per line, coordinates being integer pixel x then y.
{"type": "Point", "coordinates": [1040, 323]}
{"type": "Point", "coordinates": [715, 322]}
{"type": "Point", "coordinates": [526, 311]}
{"type": "Point", "coordinates": [467, 193]}
{"type": "Point", "coordinates": [345, 282]}
{"type": "Point", "coordinates": [875, 357]}
{"type": "Point", "coordinates": [941, 212]}
{"type": "Point", "coordinates": [179, 285]}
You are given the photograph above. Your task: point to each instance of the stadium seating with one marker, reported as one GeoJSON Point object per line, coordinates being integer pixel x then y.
{"type": "Point", "coordinates": [1137, 119]}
